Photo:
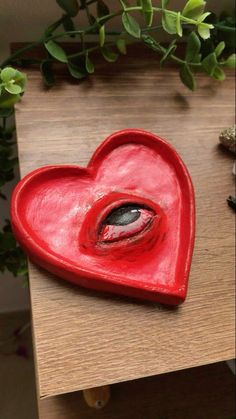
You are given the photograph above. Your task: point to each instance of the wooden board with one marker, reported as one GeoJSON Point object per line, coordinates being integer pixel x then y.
{"type": "Point", "coordinates": [85, 339]}
{"type": "Point", "coordinates": [197, 393]}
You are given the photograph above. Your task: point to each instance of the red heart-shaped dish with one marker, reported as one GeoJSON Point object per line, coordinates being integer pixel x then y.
{"type": "Point", "coordinates": [125, 224]}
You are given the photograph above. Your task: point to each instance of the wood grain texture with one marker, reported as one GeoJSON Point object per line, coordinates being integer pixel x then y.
{"type": "Point", "coordinates": [197, 393]}
{"type": "Point", "coordinates": [84, 339]}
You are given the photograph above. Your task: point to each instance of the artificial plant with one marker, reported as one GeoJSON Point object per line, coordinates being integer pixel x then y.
{"type": "Point", "coordinates": [209, 42]}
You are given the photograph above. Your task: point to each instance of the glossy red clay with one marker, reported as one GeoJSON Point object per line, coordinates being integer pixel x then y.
{"type": "Point", "coordinates": [125, 224]}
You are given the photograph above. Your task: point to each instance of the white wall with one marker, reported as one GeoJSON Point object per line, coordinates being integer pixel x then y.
{"type": "Point", "coordinates": [25, 20]}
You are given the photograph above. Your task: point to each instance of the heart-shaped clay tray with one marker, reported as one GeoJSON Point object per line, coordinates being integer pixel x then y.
{"type": "Point", "coordinates": [69, 219]}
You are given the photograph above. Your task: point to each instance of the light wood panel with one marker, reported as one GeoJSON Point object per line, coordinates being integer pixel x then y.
{"type": "Point", "coordinates": [85, 339]}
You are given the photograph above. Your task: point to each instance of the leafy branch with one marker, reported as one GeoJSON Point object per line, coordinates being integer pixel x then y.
{"type": "Point", "coordinates": [12, 83]}
{"type": "Point", "coordinates": [192, 20]}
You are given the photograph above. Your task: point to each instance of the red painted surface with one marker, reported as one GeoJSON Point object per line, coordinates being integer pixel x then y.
{"type": "Point", "coordinates": [59, 217]}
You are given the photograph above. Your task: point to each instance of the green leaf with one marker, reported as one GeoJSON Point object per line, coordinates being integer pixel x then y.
{"type": "Point", "coordinates": [187, 77]}
{"type": "Point", "coordinates": [204, 30]}
{"type": "Point", "coordinates": [92, 21]}
{"type": "Point", "coordinates": [71, 7]}
{"type": "Point", "coordinates": [151, 43]}
{"type": "Point", "coordinates": [68, 25]}
{"type": "Point", "coordinates": [51, 28]}
{"type": "Point", "coordinates": [20, 79]}
{"type": "Point", "coordinates": [76, 71]}
{"type": "Point", "coordinates": [170, 50]}
{"type": "Point", "coordinates": [47, 73]}
{"type": "Point", "coordinates": [8, 164]}
{"type": "Point", "coordinates": [121, 46]}
{"type": "Point", "coordinates": [193, 47]}
{"type": "Point", "coordinates": [89, 64]}
{"type": "Point", "coordinates": [197, 58]}
{"type": "Point", "coordinates": [7, 100]}
{"type": "Point", "coordinates": [102, 8]}
{"type": "Point", "coordinates": [5, 113]}
{"type": "Point", "coordinates": [227, 33]}
{"type": "Point", "coordinates": [218, 74]}
{"type": "Point", "coordinates": [7, 74]}
{"type": "Point", "coordinates": [7, 241]}
{"type": "Point", "coordinates": [22, 270]}
{"type": "Point", "coordinates": [12, 88]}
{"type": "Point", "coordinates": [9, 174]}
{"type": "Point", "coordinates": [101, 35]}
{"type": "Point", "coordinates": [219, 48]}
{"type": "Point", "coordinates": [147, 11]}
{"type": "Point", "coordinates": [194, 9]}
{"type": "Point", "coordinates": [124, 5]}
{"type": "Point", "coordinates": [5, 151]}
{"type": "Point", "coordinates": [209, 63]}
{"type": "Point", "coordinates": [169, 22]}
{"type": "Point", "coordinates": [203, 16]}
{"type": "Point", "coordinates": [230, 62]}
{"type": "Point", "coordinates": [179, 29]}
{"type": "Point", "coordinates": [131, 25]}
{"type": "Point", "coordinates": [56, 51]}
{"type": "Point", "coordinates": [109, 55]}
{"type": "Point", "coordinates": [164, 3]}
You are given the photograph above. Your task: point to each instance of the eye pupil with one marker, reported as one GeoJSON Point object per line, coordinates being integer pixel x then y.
{"type": "Point", "coordinates": [123, 216]}
{"type": "Point", "coordinates": [125, 222]}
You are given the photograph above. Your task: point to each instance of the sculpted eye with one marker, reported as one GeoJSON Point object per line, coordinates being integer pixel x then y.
{"type": "Point", "coordinates": [124, 222]}
{"type": "Point", "coordinates": [121, 225]}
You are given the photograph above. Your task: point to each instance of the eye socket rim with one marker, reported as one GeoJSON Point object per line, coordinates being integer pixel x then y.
{"type": "Point", "coordinates": [89, 239]}
{"type": "Point", "coordinates": [126, 229]}
{"type": "Point", "coordinates": [134, 206]}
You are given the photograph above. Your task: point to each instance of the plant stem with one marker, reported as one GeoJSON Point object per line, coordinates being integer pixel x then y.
{"type": "Point", "coordinates": [162, 50]}
{"type": "Point", "coordinates": [103, 19]}
{"type": "Point", "coordinates": [62, 34]}
{"type": "Point", "coordinates": [91, 28]}
{"type": "Point", "coordinates": [224, 28]}
{"type": "Point", "coordinates": [4, 120]}
{"type": "Point", "coordinates": [55, 25]}
{"type": "Point", "coordinates": [87, 4]}
{"type": "Point", "coordinates": [87, 13]}
{"type": "Point", "coordinates": [78, 54]}
{"type": "Point", "coordinates": [31, 45]}
{"type": "Point", "coordinates": [151, 28]}
{"type": "Point", "coordinates": [160, 9]}
{"type": "Point", "coordinates": [171, 12]}
{"type": "Point", "coordinates": [21, 51]}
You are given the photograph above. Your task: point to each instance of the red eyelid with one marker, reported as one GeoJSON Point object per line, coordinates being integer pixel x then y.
{"type": "Point", "coordinates": [111, 233]}
{"type": "Point", "coordinates": [141, 242]}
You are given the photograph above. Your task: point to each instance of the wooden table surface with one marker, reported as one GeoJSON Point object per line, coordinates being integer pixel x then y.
{"type": "Point", "coordinates": [85, 339]}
